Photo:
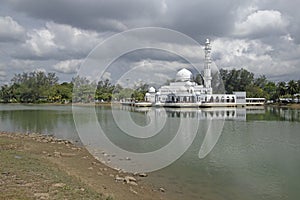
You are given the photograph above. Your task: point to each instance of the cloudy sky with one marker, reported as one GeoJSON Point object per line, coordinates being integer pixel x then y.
{"type": "Point", "coordinates": [262, 36]}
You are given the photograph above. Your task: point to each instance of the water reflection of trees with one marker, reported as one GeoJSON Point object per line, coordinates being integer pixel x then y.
{"type": "Point", "coordinates": [276, 114]}
{"type": "Point", "coordinates": [284, 114]}
{"type": "Point", "coordinates": [50, 121]}
{"type": "Point", "coordinates": [41, 121]}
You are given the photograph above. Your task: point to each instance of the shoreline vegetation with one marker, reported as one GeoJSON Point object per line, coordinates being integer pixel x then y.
{"type": "Point", "coordinates": [279, 105]}
{"type": "Point", "coordinates": [41, 87]}
{"type": "Point", "coordinates": [34, 166]}
{"type": "Point", "coordinates": [289, 105]}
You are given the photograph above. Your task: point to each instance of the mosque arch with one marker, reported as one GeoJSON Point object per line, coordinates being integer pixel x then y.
{"type": "Point", "coordinates": [227, 99]}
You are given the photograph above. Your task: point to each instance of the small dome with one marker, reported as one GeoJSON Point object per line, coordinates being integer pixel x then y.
{"type": "Point", "coordinates": [183, 75]}
{"type": "Point", "coordinates": [152, 90]}
{"type": "Point", "coordinates": [188, 83]}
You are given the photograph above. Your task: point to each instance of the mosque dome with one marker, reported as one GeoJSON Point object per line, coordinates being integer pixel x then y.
{"type": "Point", "coordinates": [188, 83]}
{"type": "Point", "coordinates": [152, 90]}
{"type": "Point", "coordinates": [183, 75]}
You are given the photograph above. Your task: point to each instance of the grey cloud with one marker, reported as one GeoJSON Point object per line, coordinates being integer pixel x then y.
{"type": "Point", "coordinates": [191, 17]}
{"type": "Point", "coordinates": [57, 41]}
{"type": "Point", "coordinates": [67, 66]}
{"type": "Point", "coordinates": [196, 18]}
{"type": "Point", "coordinates": [60, 31]}
{"type": "Point", "coordinates": [290, 9]}
{"type": "Point", "coordinates": [97, 15]}
{"type": "Point", "coordinates": [202, 17]}
{"type": "Point", "coordinates": [151, 54]}
{"type": "Point", "coordinates": [257, 57]}
{"type": "Point", "coordinates": [10, 30]}
{"type": "Point", "coordinates": [3, 76]}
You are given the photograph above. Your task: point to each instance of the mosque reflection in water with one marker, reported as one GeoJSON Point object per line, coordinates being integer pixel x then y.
{"type": "Point", "coordinates": [230, 113]}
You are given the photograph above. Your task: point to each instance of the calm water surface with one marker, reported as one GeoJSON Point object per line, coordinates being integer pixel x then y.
{"type": "Point", "coordinates": [257, 155]}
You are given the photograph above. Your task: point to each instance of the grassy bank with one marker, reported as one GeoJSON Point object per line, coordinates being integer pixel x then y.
{"type": "Point", "coordinates": [288, 105]}
{"type": "Point", "coordinates": [37, 167]}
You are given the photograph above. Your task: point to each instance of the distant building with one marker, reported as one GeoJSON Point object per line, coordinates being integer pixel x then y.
{"type": "Point", "coordinates": [186, 93]}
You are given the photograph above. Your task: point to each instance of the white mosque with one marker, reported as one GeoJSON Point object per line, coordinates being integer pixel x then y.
{"type": "Point", "coordinates": [186, 93]}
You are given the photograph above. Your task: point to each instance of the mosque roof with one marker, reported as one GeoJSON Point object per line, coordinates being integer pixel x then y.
{"type": "Point", "coordinates": [183, 75]}
{"type": "Point", "coordinates": [151, 89]}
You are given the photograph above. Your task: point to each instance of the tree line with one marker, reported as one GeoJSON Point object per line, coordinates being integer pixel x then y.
{"type": "Point", "coordinates": [41, 87]}
{"type": "Point", "coordinates": [243, 80]}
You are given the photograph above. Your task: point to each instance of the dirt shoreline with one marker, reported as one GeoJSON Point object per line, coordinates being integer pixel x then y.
{"type": "Point", "coordinates": [33, 166]}
{"type": "Point", "coordinates": [291, 105]}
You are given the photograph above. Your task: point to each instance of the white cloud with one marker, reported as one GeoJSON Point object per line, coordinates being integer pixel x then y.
{"type": "Point", "coordinates": [153, 72]}
{"type": "Point", "coordinates": [262, 36]}
{"type": "Point", "coordinates": [41, 42]}
{"type": "Point", "coordinates": [252, 55]}
{"type": "Point", "coordinates": [262, 23]}
{"type": "Point", "coordinates": [20, 65]}
{"type": "Point", "coordinates": [277, 62]}
{"type": "Point", "coordinates": [58, 41]}
{"type": "Point", "coordinates": [10, 30]}
{"type": "Point", "coordinates": [73, 39]}
{"type": "Point", "coordinates": [287, 37]}
{"type": "Point", "coordinates": [240, 47]}
{"type": "Point", "coordinates": [67, 66]}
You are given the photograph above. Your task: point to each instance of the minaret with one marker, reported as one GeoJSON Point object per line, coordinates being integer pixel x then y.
{"type": "Point", "coordinates": [207, 70]}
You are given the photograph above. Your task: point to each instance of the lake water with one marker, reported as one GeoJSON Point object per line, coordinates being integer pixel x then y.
{"type": "Point", "coordinates": [255, 154]}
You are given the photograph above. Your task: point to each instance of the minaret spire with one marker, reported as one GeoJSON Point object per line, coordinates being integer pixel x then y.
{"type": "Point", "coordinates": [207, 70]}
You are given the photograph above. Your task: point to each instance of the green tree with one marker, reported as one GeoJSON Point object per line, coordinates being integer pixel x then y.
{"type": "Point", "coordinates": [245, 78]}
{"type": "Point", "coordinates": [292, 88]}
{"type": "Point", "coordinates": [236, 80]}
{"type": "Point", "coordinates": [83, 90]}
{"type": "Point", "coordinates": [255, 91]}
{"type": "Point", "coordinates": [65, 90]}
{"type": "Point", "coordinates": [124, 93]}
{"type": "Point", "coordinates": [198, 79]}
{"type": "Point", "coordinates": [116, 94]}
{"type": "Point", "coordinates": [104, 90]}
{"type": "Point", "coordinates": [281, 88]}
{"type": "Point", "coordinates": [261, 81]}
{"type": "Point", "coordinates": [298, 91]}
{"type": "Point", "coordinates": [5, 94]}
{"type": "Point", "coordinates": [270, 90]}
{"type": "Point", "coordinates": [217, 83]}
{"type": "Point", "coordinates": [61, 93]}
{"type": "Point", "coordinates": [32, 87]}
{"type": "Point", "coordinates": [140, 91]}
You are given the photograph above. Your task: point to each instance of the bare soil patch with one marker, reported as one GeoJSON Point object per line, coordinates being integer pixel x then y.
{"type": "Point", "coordinates": [33, 166]}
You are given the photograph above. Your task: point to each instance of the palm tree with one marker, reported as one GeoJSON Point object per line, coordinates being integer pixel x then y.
{"type": "Point", "coordinates": [281, 88]}
{"type": "Point", "coordinates": [298, 91]}
{"type": "Point", "coordinates": [292, 88]}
